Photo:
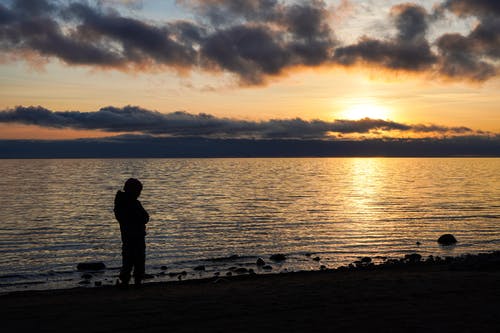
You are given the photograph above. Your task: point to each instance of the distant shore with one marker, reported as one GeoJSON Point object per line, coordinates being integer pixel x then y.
{"type": "Point", "coordinates": [454, 294]}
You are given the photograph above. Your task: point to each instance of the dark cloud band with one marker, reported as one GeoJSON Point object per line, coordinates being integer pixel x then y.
{"type": "Point", "coordinates": [253, 39]}
{"type": "Point", "coordinates": [183, 124]}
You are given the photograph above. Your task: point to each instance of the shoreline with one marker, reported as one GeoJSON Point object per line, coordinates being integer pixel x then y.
{"type": "Point", "coordinates": [226, 267]}
{"type": "Point", "coordinates": [461, 293]}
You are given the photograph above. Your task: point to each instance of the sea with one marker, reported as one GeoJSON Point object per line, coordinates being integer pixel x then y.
{"type": "Point", "coordinates": [216, 217]}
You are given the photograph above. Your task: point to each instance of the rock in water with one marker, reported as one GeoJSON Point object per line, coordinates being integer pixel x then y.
{"type": "Point", "coordinates": [199, 268]}
{"type": "Point", "coordinates": [413, 258]}
{"type": "Point", "coordinates": [260, 262]}
{"type": "Point", "coordinates": [91, 266]}
{"type": "Point", "coordinates": [447, 239]}
{"type": "Point", "coordinates": [241, 270]}
{"type": "Point", "coordinates": [366, 260]}
{"type": "Point", "coordinates": [278, 257]}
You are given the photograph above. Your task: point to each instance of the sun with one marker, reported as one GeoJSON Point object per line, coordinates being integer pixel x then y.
{"type": "Point", "coordinates": [365, 110]}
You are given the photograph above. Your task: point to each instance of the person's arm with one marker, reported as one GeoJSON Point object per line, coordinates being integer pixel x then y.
{"type": "Point", "coordinates": [143, 215]}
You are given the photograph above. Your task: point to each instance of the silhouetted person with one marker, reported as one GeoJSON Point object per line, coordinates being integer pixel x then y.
{"type": "Point", "coordinates": [133, 218]}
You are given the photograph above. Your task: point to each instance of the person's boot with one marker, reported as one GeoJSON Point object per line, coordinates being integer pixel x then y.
{"type": "Point", "coordinates": [122, 283]}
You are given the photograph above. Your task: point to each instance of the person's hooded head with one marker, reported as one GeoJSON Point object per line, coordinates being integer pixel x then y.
{"type": "Point", "coordinates": [133, 187]}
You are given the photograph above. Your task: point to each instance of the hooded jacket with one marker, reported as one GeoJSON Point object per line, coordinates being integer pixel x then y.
{"type": "Point", "coordinates": [131, 216]}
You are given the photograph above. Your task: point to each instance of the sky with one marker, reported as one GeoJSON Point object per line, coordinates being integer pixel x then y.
{"type": "Point", "coordinates": [260, 69]}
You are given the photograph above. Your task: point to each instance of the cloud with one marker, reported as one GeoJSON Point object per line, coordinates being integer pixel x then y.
{"type": "Point", "coordinates": [479, 8]}
{"type": "Point", "coordinates": [252, 39]}
{"type": "Point", "coordinates": [228, 12]}
{"type": "Point", "coordinates": [182, 124]}
{"type": "Point", "coordinates": [476, 55]}
{"type": "Point", "coordinates": [409, 50]}
{"type": "Point", "coordinates": [259, 38]}
{"type": "Point", "coordinates": [131, 4]}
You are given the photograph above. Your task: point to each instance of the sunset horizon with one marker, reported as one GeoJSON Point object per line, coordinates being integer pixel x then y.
{"type": "Point", "coordinates": [250, 165]}
{"type": "Point", "coordinates": [391, 70]}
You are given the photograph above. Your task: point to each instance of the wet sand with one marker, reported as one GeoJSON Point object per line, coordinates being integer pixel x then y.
{"type": "Point", "coordinates": [405, 298]}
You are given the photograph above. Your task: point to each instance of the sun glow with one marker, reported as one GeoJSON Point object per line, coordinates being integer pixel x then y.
{"type": "Point", "coordinates": [365, 109]}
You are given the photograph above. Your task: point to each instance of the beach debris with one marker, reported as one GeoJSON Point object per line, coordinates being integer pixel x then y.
{"type": "Point", "coordinates": [322, 268]}
{"type": "Point", "coordinates": [316, 258]}
{"type": "Point", "coordinates": [278, 257]}
{"type": "Point", "coordinates": [418, 243]}
{"type": "Point", "coordinates": [200, 268]}
{"type": "Point", "coordinates": [91, 266]}
{"type": "Point", "coordinates": [267, 268]}
{"type": "Point", "coordinates": [260, 262]}
{"type": "Point", "coordinates": [447, 239]}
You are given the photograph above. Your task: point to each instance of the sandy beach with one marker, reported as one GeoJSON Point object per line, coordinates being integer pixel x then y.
{"type": "Point", "coordinates": [459, 296]}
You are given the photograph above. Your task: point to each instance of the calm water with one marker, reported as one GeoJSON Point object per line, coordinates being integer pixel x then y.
{"type": "Point", "coordinates": [57, 213]}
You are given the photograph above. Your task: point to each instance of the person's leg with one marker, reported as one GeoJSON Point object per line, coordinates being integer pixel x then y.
{"type": "Point", "coordinates": [139, 261]}
{"type": "Point", "coordinates": [127, 262]}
